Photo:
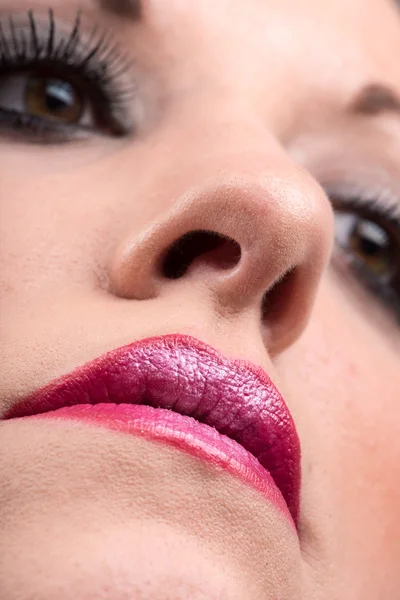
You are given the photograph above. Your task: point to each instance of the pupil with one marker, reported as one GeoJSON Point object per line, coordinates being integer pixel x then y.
{"type": "Point", "coordinates": [59, 96]}
{"type": "Point", "coordinates": [369, 247]}
{"type": "Point", "coordinates": [373, 239]}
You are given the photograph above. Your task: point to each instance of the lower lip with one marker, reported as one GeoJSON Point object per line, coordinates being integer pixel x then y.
{"type": "Point", "coordinates": [181, 432]}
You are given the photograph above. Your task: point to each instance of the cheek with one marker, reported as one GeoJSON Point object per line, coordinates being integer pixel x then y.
{"type": "Point", "coordinates": [62, 220]}
{"type": "Point", "coordinates": [344, 374]}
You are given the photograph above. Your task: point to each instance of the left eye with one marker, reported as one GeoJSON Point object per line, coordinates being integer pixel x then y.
{"type": "Point", "coordinates": [369, 241]}
{"type": "Point", "coordinates": [48, 98]}
{"type": "Point", "coordinates": [374, 247]}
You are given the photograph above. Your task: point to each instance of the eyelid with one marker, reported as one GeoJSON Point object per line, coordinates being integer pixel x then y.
{"type": "Point", "coordinates": [33, 42]}
{"type": "Point", "coordinates": [381, 200]}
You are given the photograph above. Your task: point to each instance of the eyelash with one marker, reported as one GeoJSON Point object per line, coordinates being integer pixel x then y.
{"type": "Point", "coordinates": [93, 60]}
{"type": "Point", "coordinates": [385, 209]}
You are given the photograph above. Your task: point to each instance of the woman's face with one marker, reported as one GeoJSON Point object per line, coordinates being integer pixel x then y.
{"type": "Point", "coordinates": [174, 172]}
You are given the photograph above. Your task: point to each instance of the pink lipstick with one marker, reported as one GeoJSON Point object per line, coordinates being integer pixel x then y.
{"type": "Point", "coordinates": [178, 390]}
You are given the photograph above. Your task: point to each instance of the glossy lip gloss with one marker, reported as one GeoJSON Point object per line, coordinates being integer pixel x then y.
{"type": "Point", "coordinates": [178, 390]}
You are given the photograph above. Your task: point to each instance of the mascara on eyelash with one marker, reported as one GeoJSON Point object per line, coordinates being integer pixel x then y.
{"type": "Point", "coordinates": [43, 42]}
{"type": "Point", "coordinates": [379, 201]}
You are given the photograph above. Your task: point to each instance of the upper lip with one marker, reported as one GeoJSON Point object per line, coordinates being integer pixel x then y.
{"type": "Point", "coordinates": [191, 378]}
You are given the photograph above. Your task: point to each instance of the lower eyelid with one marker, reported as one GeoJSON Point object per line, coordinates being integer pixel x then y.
{"type": "Point", "coordinates": [18, 127]}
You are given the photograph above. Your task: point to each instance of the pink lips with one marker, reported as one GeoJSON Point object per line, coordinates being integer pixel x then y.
{"type": "Point", "coordinates": [250, 428]}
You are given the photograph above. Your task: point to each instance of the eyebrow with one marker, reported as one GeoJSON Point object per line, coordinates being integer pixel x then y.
{"type": "Point", "coordinates": [375, 99]}
{"type": "Point", "coordinates": [123, 8]}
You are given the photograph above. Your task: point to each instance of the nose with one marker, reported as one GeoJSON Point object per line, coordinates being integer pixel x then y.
{"type": "Point", "coordinates": [255, 238]}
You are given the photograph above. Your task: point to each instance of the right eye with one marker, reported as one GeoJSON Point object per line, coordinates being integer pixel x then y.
{"type": "Point", "coordinates": [47, 98]}
{"type": "Point", "coordinates": [55, 85]}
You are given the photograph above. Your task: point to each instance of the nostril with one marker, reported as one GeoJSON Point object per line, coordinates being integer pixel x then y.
{"type": "Point", "coordinates": [278, 297]}
{"type": "Point", "coordinates": [214, 249]}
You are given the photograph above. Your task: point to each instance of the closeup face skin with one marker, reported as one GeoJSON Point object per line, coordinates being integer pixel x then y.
{"type": "Point", "coordinates": [251, 119]}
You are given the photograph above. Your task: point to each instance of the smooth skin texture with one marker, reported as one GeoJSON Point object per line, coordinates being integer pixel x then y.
{"type": "Point", "coordinates": [243, 117]}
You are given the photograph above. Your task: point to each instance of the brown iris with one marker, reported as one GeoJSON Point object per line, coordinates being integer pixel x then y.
{"type": "Point", "coordinates": [55, 99]}
{"type": "Point", "coordinates": [374, 246]}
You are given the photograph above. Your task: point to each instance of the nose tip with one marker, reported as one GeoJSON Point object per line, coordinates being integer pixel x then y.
{"type": "Point", "coordinates": [254, 242]}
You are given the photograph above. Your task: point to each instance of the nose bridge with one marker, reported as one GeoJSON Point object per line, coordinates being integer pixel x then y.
{"type": "Point", "coordinates": [240, 58]}
{"type": "Point", "coordinates": [224, 124]}
{"type": "Point", "coordinates": [218, 168]}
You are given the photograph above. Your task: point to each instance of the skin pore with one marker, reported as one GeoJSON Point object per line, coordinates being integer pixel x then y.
{"type": "Point", "coordinates": [251, 119]}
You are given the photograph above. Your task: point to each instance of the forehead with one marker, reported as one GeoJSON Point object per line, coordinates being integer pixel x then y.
{"type": "Point", "coordinates": [262, 17]}
{"type": "Point", "coordinates": [337, 46]}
